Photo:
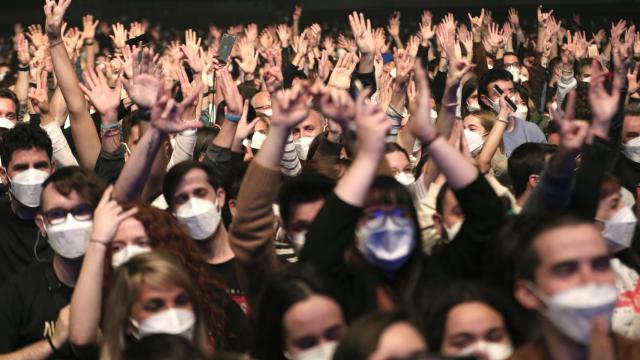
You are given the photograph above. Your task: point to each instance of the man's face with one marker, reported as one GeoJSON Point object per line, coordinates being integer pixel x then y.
{"type": "Point", "coordinates": [631, 128]}
{"type": "Point", "coordinates": [511, 60]}
{"type": "Point", "coordinates": [310, 127]}
{"type": "Point", "coordinates": [55, 206]}
{"type": "Point", "coordinates": [196, 184]}
{"type": "Point", "coordinates": [261, 102]}
{"type": "Point", "coordinates": [8, 110]}
{"type": "Point", "coordinates": [571, 256]}
{"type": "Point", "coordinates": [22, 160]}
{"type": "Point", "coordinates": [505, 85]}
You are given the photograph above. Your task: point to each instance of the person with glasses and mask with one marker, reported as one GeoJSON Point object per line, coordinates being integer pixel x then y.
{"type": "Point", "coordinates": [26, 163]}
{"type": "Point", "coordinates": [34, 311]}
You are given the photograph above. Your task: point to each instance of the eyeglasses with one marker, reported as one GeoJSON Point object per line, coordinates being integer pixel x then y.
{"type": "Point", "coordinates": [57, 215]}
{"type": "Point", "coordinates": [377, 218]}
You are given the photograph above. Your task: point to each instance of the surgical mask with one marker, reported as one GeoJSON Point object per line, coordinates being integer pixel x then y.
{"type": "Point", "coordinates": [474, 140]}
{"type": "Point", "coordinates": [6, 123]}
{"type": "Point", "coordinates": [434, 115]}
{"type": "Point", "coordinates": [319, 352]}
{"type": "Point", "coordinates": [201, 217]}
{"type": "Point", "coordinates": [70, 238]}
{"type": "Point", "coordinates": [586, 79]}
{"type": "Point", "coordinates": [620, 228]}
{"type": "Point", "coordinates": [257, 140]}
{"type": "Point", "coordinates": [471, 107]}
{"type": "Point", "coordinates": [172, 321]}
{"type": "Point", "coordinates": [27, 186]}
{"type": "Point", "coordinates": [632, 149]}
{"type": "Point", "coordinates": [572, 311]}
{"type": "Point", "coordinates": [491, 350]}
{"type": "Point", "coordinates": [515, 72]}
{"type": "Point", "coordinates": [393, 73]}
{"type": "Point", "coordinates": [453, 231]}
{"type": "Point", "coordinates": [266, 112]}
{"type": "Point", "coordinates": [389, 245]}
{"type": "Point", "coordinates": [126, 253]}
{"type": "Point", "coordinates": [2, 75]}
{"type": "Point", "coordinates": [405, 178]}
{"type": "Point", "coordinates": [495, 105]}
{"type": "Point", "coordinates": [298, 239]}
{"type": "Point", "coordinates": [302, 146]}
{"type": "Point", "coordinates": [521, 112]}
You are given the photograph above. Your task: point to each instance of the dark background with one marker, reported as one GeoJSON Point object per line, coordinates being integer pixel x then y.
{"type": "Point", "coordinates": [199, 13]}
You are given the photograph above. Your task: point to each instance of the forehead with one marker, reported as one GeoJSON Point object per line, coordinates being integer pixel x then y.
{"type": "Point", "coordinates": [194, 178]}
{"type": "Point", "coordinates": [7, 105]}
{"type": "Point", "coordinates": [472, 120]}
{"type": "Point", "coordinates": [313, 119]}
{"type": "Point", "coordinates": [51, 199]}
{"type": "Point", "coordinates": [397, 158]}
{"type": "Point", "coordinates": [505, 85]}
{"type": "Point", "coordinates": [151, 289]}
{"type": "Point", "coordinates": [510, 59]}
{"type": "Point", "coordinates": [470, 316]}
{"type": "Point", "coordinates": [312, 313]}
{"type": "Point", "coordinates": [261, 99]}
{"type": "Point", "coordinates": [632, 123]}
{"type": "Point", "coordinates": [569, 243]}
{"type": "Point", "coordinates": [27, 156]}
{"type": "Point", "coordinates": [130, 228]}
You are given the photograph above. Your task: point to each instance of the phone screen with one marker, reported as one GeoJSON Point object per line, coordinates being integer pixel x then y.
{"type": "Point", "coordinates": [226, 45]}
{"type": "Point", "coordinates": [510, 102]}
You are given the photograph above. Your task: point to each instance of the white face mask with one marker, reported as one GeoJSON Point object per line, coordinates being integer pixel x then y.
{"type": "Point", "coordinates": [471, 107]}
{"type": "Point", "coordinates": [586, 79]}
{"type": "Point", "coordinates": [387, 246]}
{"type": "Point", "coordinates": [171, 321]}
{"type": "Point", "coordinates": [488, 350]}
{"type": "Point", "coordinates": [572, 311]}
{"type": "Point", "coordinates": [393, 73]}
{"type": "Point", "coordinates": [70, 238]}
{"type": "Point", "coordinates": [434, 115]}
{"type": "Point", "coordinates": [302, 146]}
{"type": "Point", "coordinates": [257, 140]}
{"type": "Point", "coordinates": [515, 72]}
{"type": "Point", "coordinates": [6, 123]}
{"type": "Point", "coordinates": [201, 217]}
{"type": "Point", "coordinates": [126, 253]}
{"type": "Point", "coordinates": [620, 228]}
{"type": "Point", "coordinates": [632, 149]}
{"type": "Point", "coordinates": [27, 186]}
{"type": "Point", "coordinates": [495, 105]}
{"type": "Point", "coordinates": [474, 140]}
{"type": "Point", "coordinates": [405, 178]}
{"type": "Point", "coordinates": [521, 112]}
{"type": "Point", "coordinates": [298, 239]}
{"type": "Point", "coordinates": [320, 352]}
{"type": "Point", "coordinates": [453, 231]}
{"type": "Point", "coordinates": [267, 112]}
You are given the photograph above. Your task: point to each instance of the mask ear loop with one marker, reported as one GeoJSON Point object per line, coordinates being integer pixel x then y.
{"type": "Point", "coordinates": [35, 247]}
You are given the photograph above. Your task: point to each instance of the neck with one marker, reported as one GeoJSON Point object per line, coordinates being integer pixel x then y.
{"type": "Point", "coordinates": [66, 270]}
{"type": "Point", "coordinates": [522, 199]}
{"type": "Point", "coordinates": [216, 249]}
{"type": "Point", "coordinates": [559, 346]}
{"type": "Point", "coordinates": [23, 212]}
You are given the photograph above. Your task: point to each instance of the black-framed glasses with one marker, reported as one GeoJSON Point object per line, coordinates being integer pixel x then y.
{"type": "Point", "coordinates": [57, 215]}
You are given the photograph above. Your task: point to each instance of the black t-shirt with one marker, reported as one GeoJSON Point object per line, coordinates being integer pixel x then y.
{"type": "Point", "coordinates": [227, 272]}
{"type": "Point", "coordinates": [18, 239]}
{"type": "Point", "coordinates": [29, 307]}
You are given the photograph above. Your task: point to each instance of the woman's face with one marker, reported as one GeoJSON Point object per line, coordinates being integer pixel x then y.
{"type": "Point", "coordinates": [262, 126]}
{"type": "Point", "coordinates": [469, 323]}
{"type": "Point", "coordinates": [399, 341]}
{"type": "Point", "coordinates": [610, 205]}
{"type": "Point", "coordinates": [130, 232]}
{"type": "Point", "coordinates": [398, 162]}
{"type": "Point", "coordinates": [473, 123]}
{"type": "Point", "coordinates": [312, 322]}
{"type": "Point", "coordinates": [154, 298]}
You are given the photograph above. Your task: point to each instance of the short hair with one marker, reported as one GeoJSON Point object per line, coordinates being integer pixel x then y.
{"type": "Point", "coordinates": [178, 172]}
{"type": "Point", "coordinates": [489, 77]}
{"type": "Point", "coordinates": [74, 178]}
{"type": "Point", "coordinates": [305, 188]}
{"type": "Point", "coordinates": [526, 160]}
{"type": "Point", "coordinates": [487, 119]}
{"type": "Point", "coordinates": [527, 258]}
{"type": "Point", "coordinates": [5, 93]}
{"type": "Point", "coordinates": [24, 136]}
{"type": "Point", "coordinates": [581, 64]}
{"type": "Point", "coordinates": [394, 147]}
{"type": "Point", "coordinates": [204, 138]}
{"type": "Point", "coordinates": [632, 109]}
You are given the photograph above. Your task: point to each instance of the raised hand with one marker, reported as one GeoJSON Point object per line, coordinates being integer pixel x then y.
{"type": "Point", "coordinates": [290, 107]}
{"type": "Point", "coordinates": [394, 24]}
{"type": "Point", "coordinates": [426, 33]}
{"type": "Point", "coordinates": [458, 68]}
{"type": "Point", "coordinates": [284, 34]}
{"type": "Point", "coordinates": [324, 66]}
{"type": "Point", "coordinates": [420, 124]}
{"type": "Point", "coordinates": [372, 126]}
{"type": "Point", "coordinates": [449, 23]}
{"type": "Point", "coordinates": [36, 36]}
{"type": "Point", "coordinates": [119, 36]}
{"type": "Point", "coordinates": [405, 66]}
{"type": "Point", "coordinates": [341, 75]}
{"type": "Point", "coordinates": [329, 45]}
{"type": "Point", "coordinates": [145, 81]}
{"type": "Point", "coordinates": [362, 32]}
{"type": "Point", "coordinates": [230, 92]}
{"type": "Point", "coordinates": [476, 22]}
{"type": "Point", "coordinates": [251, 32]}
{"type": "Point", "coordinates": [107, 217]}
{"type": "Point", "coordinates": [347, 44]}
{"type": "Point", "coordinates": [272, 72]}
{"type": "Point", "coordinates": [103, 98]}
{"type": "Point", "coordinates": [514, 18]}
{"type": "Point", "coordinates": [72, 41]}
{"type": "Point", "coordinates": [297, 13]}
{"type": "Point", "coordinates": [334, 103]}
{"type": "Point", "coordinates": [22, 50]}
{"type": "Point", "coordinates": [195, 58]}
{"type": "Point", "coordinates": [603, 105]}
{"type": "Point", "coordinates": [39, 96]}
{"type": "Point", "coordinates": [167, 115]}
{"type": "Point", "coordinates": [136, 29]}
{"type": "Point", "coordinates": [573, 133]}
{"type": "Point", "coordinates": [543, 17]}
{"type": "Point", "coordinates": [248, 56]}
{"type": "Point", "coordinates": [54, 13]}
{"type": "Point", "coordinates": [495, 37]}
{"type": "Point", "coordinates": [245, 127]}
{"type": "Point", "coordinates": [89, 28]}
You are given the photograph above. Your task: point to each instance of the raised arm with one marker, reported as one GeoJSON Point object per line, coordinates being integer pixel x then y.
{"type": "Point", "coordinates": [82, 128]}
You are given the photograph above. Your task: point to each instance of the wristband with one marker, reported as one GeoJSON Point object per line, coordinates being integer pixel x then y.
{"type": "Point", "coordinates": [109, 126]}
{"type": "Point", "coordinates": [89, 43]}
{"type": "Point", "coordinates": [98, 242]}
{"type": "Point", "coordinates": [502, 121]}
{"type": "Point", "coordinates": [23, 68]}
{"type": "Point", "coordinates": [56, 353]}
{"type": "Point", "coordinates": [232, 118]}
{"type": "Point", "coordinates": [55, 43]}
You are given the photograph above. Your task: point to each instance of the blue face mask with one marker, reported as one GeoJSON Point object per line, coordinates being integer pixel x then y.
{"type": "Point", "coordinates": [387, 241]}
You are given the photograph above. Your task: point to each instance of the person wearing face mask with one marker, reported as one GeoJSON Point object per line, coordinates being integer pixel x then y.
{"type": "Point", "coordinates": [564, 274]}
{"type": "Point", "coordinates": [37, 297]}
{"type": "Point", "coordinates": [518, 131]}
{"type": "Point", "coordinates": [9, 108]}
{"type": "Point", "coordinates": [152, 294]}
{"type": "Point", "coordinates": [306, 131]}
{"type": "Point", "coordinates": [380, 212]}
{"type": "Point", "coordinates": [473, 320]}
{"type": "Point", "coordinates": [296, 317]}
{"type": "Point", "coordinates": [627, 164]}
{"type": "Point", "coordinates": [121, 239]}
{"type": "Point", "coordinates": [26, 163]}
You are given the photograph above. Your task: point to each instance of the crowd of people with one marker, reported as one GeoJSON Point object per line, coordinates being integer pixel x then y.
{"type": "Point", "coordinates": [464, 189]}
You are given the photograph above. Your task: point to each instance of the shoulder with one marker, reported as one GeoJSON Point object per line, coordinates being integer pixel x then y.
{"type": "Point", "coordinates": [531, 351]}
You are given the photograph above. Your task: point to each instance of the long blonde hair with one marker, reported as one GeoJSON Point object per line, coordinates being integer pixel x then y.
{"type": "Point", "coordinates": [149, 268]}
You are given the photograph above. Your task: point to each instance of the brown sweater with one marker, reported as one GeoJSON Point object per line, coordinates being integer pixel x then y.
{"type": "Point", "coordinates": [624, 348]}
